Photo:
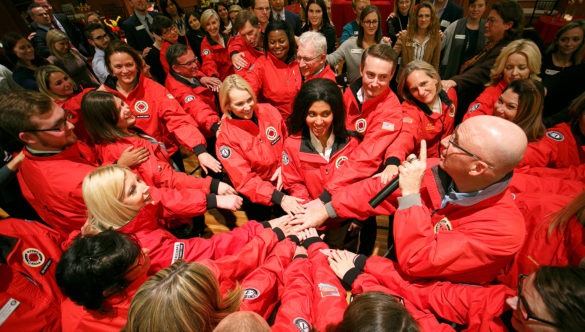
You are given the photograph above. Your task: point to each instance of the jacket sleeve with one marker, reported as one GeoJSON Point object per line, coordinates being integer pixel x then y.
{"type": "Point", "coordinates": [208, 66]}
{"type": "Point", "coordinates": [408, 138]}
{"type": "Point", "coordinates": [205, 116]}
{"type": "Point", "coordinates": [338, 55]}
{"type": "Point", "coordinates": [399, 45]}
{"type": "Point", "coordinates": [179, 123]}
{"type": "Point", "coordinates": [482, 105]}
{"type": "Point", "coordinates": [329, 301]}
{"type": "Point", "coordinates": [352, 201]}
{"type": "Point", "coordinates": [475, 75]}
{"type": "Point", "coordinates": [245, 180]}
{"type": "Point", "coordinates": [346, 33]}
{"type": "Point", "coordinates": [254, 75]}
{"type": "Point", "coordinates": [436, 54]}
{"type": "Point", "coordinates": [485, 243]}
{"type": "Point", "coordinates": [292, 173]}
{"type": "Point", "coordinates": [183, 203]}
{"type": "Point", "coordinates": [261, 287]}
{"type": "Point", "coordinates": [296, 299]}
{"type": "Point", "coordinates": [573, 173]}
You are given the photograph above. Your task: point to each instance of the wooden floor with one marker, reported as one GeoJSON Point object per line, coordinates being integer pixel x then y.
{"type": "Point", "coordinates": [217, 222]}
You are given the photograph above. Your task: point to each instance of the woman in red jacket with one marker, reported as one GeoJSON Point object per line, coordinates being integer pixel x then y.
{"type": "Point", "coordinates": [318, 145]}
{"type": "Point", "coordinates": [519, 60]}
{"type": "Point", "coordinates": [216, 61]}
{"type": "Point", "coordinates": [249, 145]}
{"type": "Point", "coordinates": [275, 77]}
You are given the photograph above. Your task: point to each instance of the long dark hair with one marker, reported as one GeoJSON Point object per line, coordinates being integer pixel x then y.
{"type": "Point", "coordinates": [562, 290]}
{"type": "Point", "coordinates": [366, 11]}
{"type": "Point", "coordinates": [325, 21]}
{"type": "Point", "coordinates": [510, 11]}
{"type": "Point", "coordinates": [10, 40]}
{"type": "Point", "coordinates": [100, 117]}
{"type": "Point", "coordinates": [318, 89]}
{"type": "Point", "coordinates": [165, 3]}
{"type": "Point", "coordinates": [95, 264]}
{"type": "Point", "coordinates": [281, 25]}
{"type": "Point", "coordinates": [530, 105]}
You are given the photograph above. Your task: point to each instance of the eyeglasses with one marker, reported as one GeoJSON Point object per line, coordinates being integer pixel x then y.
{"type": "Point", "coordinates": [373, 22]}
{"type": "Point", "coordinates": [472, 155]}
{"type": "Point", "coordinates": [522, 304]}
{"type": "Point", "coordinates": [188, 63]}
{"type": "Point", "coordinates": [169, 30]}
{"type": "Point", "coordinates": [305, 60]}
{"type": "Point", "coordinates": [61, 125]}
{"type": "Point", "coordinates": [101, 37]}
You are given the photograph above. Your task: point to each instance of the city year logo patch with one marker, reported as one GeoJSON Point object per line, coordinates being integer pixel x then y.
{"type": "Point", "coordinates": [285, 158]}
{"type": "Point", "coordinates": [302, 324]}
{"type": "Point", "coordinates": [189, 98]}
{"type": "Point", "coordinates": [360, 125]}
{"type": "Point", "coordinates": [141, 106]}
{"type": "Point", "coordinates": [225, 152]}
{"type": "Point", "coordinates": [474, 107]}
{"type": "Point", "coordinates": [340, 161]}
{"type": "Point", "coordinates": [251, 293]}
{"type": "Point", "coordinates": [555, 135]}
{"type": "Point", "coordinates": [443, 225]}
{"type": "Point", "coordinates": [271, 133]}
{"type": "Point", "coordinates": [33, 257]}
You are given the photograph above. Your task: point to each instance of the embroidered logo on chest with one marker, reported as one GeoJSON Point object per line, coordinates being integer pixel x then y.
{"type": "Point", "coordinates": [33, 257]}
{"type": "Point", "coordinates": [360, 125]}
{"type": "Point", "coordinates": [141, 106]}
{"type": "Point", "coordinates": [340, 161]}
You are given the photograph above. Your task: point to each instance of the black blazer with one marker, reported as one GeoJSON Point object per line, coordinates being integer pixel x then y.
{"type": "Point", "coordinates": [136, 34]}
{"type": "Point", "coordinates": [39, 41]}
{"type": "Point", "coordinates": [292, 19]}
{"type": "Point", "coordinates": [452, 13]}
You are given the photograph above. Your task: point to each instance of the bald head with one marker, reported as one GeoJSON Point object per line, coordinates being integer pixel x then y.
{"type": "Point", "coordinates": [498, 141]}
{"type": "Point", "coordinates": [242, 321]}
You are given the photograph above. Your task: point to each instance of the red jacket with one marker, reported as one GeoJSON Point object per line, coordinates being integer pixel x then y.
{"type": "Point", "coordinates": [215, 58]}
{"type": "Point", "coordinates": [476, 307]}
{"type": "Point", "coordinates": [262, 286]}
{"type": "Point", "coordinates": [251, 153]}
{"type": "Point", "coordinates": [484, 104]}
{"type": "Point", "coordinates": [73, 104]}
{"type": "Point", "coordinates": [295, 312]}
{"type": "Point", "coordinates": [251, 54]}
{"type": "Point", "coordinates": [525, 182]}
{"type": "Point", "coordinates": [78, 318]}
{"type": "Point", "coordinates": [30, 298]}
{"type": "Point", "coordinates": [326, 72]}
{"type": "Point", "coordinates": [379, 120]}
{"type": "Point", "coordinates": [557, 149]}
{"type": "Point", "coordinates": [275, 82]}
{"type": "Point", "coordinates": [561, 248]}
{"type": "Point", "coordinates": [52, 186]}
{"type": "Point", "coordinates": [159, 115]}
{"type": "Point", "coordinates": [417, 125]}
{"type": "Point", "coordinates": [165, 248]}
{"type": "Point", "coordinates": [156, 171]}
{"type": "Point", "coordinates": [197, 100]}
{"type": "Point", "coordinates": [572, 173]}
{"type": "Point", "coordinates": [468, 241]}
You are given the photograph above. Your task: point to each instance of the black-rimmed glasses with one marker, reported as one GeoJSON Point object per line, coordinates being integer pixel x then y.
{"type": "Point", "coordinates": [61, 125]}
{"type": "Point", "coordinates": [523, 305]}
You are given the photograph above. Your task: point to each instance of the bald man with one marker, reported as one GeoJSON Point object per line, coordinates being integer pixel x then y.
{"type": "Point", "coordinates": [454, 218]}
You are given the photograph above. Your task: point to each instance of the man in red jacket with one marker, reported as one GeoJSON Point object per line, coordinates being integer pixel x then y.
{"type": "Point", "coordinates": [248, 44]}
{"type": "Point", "coordinates": [455, 220]}
{"type": "Point", "coordinates": [312, 56]}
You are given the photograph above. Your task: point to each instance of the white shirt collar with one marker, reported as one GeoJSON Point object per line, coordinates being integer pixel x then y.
{"type": "Point", "coordinates": [316, 143]}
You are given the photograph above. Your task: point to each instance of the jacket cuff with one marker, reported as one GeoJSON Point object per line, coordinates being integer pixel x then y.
{"type": "Point", "coordinates": [211, 201]}
{"type": "Point", "coordinates": [294, 239]}
{"type": "Point", "coordinates": [392, 161]}
{"type": "Point", "coordinates": [214, 127]}
{"type": "Point", "coordinates": [199, 149]}
{"type": "Point", "coordinates": [357, 222]}
{"type": "Point", "coordinates": [325, 196]}
{"type": "Point", "coordinates": [350, 276]}
{"type": "Point", "coordinates": [300, 256]}
{"type": "Point", "coordinates": [277, 197]}
{"type": "Point", "coordinates": [307, 243]}
{"type": "Point", "coordinates": [266, 224]}
{"type": "Point", "coordinates": [405, 202]}
{"type": "Point", "coordinates": [360, 262]}
{"type": "Point", "coordinates": [214, 187]}
{"type": "Point", "coordinates": [330, 210]}
{"type": "Point", "coordinates": [279, 233]}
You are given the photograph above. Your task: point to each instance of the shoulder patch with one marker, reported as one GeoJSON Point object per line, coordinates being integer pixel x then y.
{"type": "Point", "coordinates": [178, 251]}
{"type": "Point", "coordinates": [225, 152]}
{"type": "Point", "coordinates": [302, 324]}
{"type": "Point", "coordinates": [555, 135]}
{"type": "Point", "coordinates": [328, 290]}
{"type": "Point", "coordinates": [205, 51]}
{"type": "Point", "coordinates": [285, 158]}
{"type": "Point", "coordinates": [474, 107]}
{"type": "Point", "coordinates": [443, 225]}
{"type": "Point", "coordinates": [250, 294]}
{"type": "Point", "coordinates": [360, 125]}
{"type": "Point", "coordinates": [141, 106]}
{"type": "Point", "coordinates": [33, 257]}
{"type": "Point", "coordinates": [189, 98]}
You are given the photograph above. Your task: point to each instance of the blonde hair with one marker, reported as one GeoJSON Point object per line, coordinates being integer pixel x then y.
{"type": "Point", "coordinates": [231, 82]}
{"type": "Point", "coordinates": [424, 66]}
{"type": "Point", "coordinates": [103, 192]}
{"type": "Point", "coordinates": [243, 321]}
{"type": "Point", "coordinates": [182, 297]}
{"type": "Point", "coordinates": [522, 46]}
{"type": "Point", "coordinates": [206, 16]}
{"type": "Point", "coordinates": [43, 76]}
{"type": "Point", "coordinates": [54, 36]}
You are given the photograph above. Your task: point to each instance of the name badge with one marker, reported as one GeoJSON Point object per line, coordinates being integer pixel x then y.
{"type": "Point", "coordinates": [459, 36]}
{"type": "Point", "coordinates": [356, 51]}
{"type": "Point", "coordinates": [445, 23]}
{"type": "Point", "coordinates": [140, 27]}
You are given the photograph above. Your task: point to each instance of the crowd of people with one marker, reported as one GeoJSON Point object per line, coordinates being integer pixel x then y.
{"type": "Point", "coordinates": [466, 132]}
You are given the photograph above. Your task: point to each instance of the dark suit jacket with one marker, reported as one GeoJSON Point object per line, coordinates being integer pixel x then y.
{"type": "Point", "coordinates": [452, 13]}
{"type": "Point", "coordinates": [39, 41]}
{"type": "Point", "coordinates": [136, 35]}
{"type": "Point", "coordinates": [293, 20]}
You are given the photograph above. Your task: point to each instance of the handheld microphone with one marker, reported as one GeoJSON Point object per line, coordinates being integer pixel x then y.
{"type": "Point", "coordinates": [384, 193]}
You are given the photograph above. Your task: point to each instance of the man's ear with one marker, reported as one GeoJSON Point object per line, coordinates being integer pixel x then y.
{"type": "Point", "coordinates": [90, 41]}
{"type": "Point", "coordinates": [478, 168]}
{"type": "Point", "coordinates": [27, 138]}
